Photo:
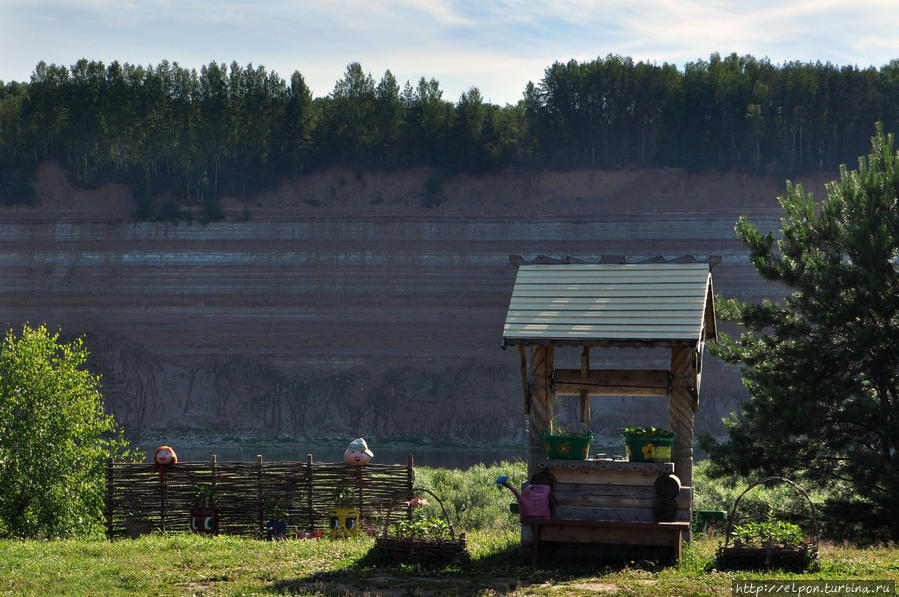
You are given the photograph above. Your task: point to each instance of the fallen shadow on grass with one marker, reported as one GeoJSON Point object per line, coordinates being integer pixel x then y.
{"type": "Point", "coordinates": [500, 572]}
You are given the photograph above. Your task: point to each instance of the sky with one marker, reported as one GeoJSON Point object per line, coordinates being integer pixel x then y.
{"type": "Point", "coordinates": [496, 46]}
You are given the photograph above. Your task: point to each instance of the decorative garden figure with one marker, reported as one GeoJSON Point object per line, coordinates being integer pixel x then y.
{"type": "Point", "coordinates": [357, 453]}
{"type": "Point", "coordinates": [163, 458]}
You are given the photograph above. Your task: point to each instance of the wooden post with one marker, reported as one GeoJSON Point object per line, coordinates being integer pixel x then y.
{"type": "Point", "coordinates": [259, 493]}
{"type": "Point", "coordinates": [309, 486]}
{"type": "Point", "coordinates": [410, 484]}
{"type": "Point", "coordinates": [163, 500]}
{"type": "Point", "coordinates": [683, 401]}
{"type": "Point", "coordinates": [585, 407]}
{"type": "Point", "coordinates": [524, 379]}
{"type": "Point", "coordinates": [359, 485]}
{"type": "Point", "coordinates": [213, 465]}
{"type": "Point", "coordinates": [585, 395]}
{"type": "Point", "coordinates": [541, 412]}
{"type": "Point", "coordinates": [110, 491]}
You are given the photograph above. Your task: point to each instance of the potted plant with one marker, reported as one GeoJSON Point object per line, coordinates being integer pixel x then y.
{"type": "Point", "coordinates": [771, 544]}
{"type": "Point", "coordinates": [204, 514]}
{"type": "Point", "coordinates": [421, 537]}
{"type": "Point", "coordinates": [567, 444]}
{"type": "Point", "coordinates": [275, 514]}
{"type": "Point", "coordinates": [138, 523]}
{"type": "Point", "coordinates": [648, 444]}
{"type": "Point", "coordinates": [344, 515]}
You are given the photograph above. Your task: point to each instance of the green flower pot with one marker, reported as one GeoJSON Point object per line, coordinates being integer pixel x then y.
{"type": "Point", "coordinates": [648, 449]}
{"type": "Point", "coordinates": [568, 446]}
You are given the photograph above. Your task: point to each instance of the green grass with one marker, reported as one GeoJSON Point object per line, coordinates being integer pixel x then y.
{"type": "Point", "coordinates": [185, 565]}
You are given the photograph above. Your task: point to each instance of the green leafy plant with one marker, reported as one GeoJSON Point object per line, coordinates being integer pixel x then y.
{"type": "Point", "coordinates": [763, 534]}
{"type": "Point", "coordinates": [275, 510]}
{"type": "Point", "coordinates": [345, 497]}
{"type": "Point", "coordinates": [204, 495]}
{"type": "Point", "coordinates": [55, 438]}
{"type": "Point", "coordinates": [647, 432]}
{"type": "Point", "coordinates": [425, 528]}
{"type": "Point", "coordinates": [422, 525]}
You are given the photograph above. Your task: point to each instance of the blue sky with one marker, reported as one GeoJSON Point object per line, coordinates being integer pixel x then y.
{"type": "Point", "coordinates": [496, 46]}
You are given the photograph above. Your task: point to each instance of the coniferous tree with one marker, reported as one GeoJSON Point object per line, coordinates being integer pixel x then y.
{"type": "Point", "coordinates": [237, 130]}
{"type": "Point", "coordinates": [822, 366]}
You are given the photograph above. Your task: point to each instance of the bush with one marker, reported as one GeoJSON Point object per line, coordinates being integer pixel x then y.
{"type": "Point", "coordinates": [766, 503]}
{"type": "Point", "coordinates": [471, 497]}
{"type": "Point", "coordinates": [54, 438]}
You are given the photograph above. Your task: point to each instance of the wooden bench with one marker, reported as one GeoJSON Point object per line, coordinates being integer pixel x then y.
{"type": "Point", "coordinates": [610, 532]}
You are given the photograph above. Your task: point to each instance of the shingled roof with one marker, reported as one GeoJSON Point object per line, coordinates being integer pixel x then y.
{"type": "Point", "coordinates": [611, 304]}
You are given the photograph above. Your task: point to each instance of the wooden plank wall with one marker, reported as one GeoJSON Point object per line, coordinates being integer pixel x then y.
{"type": "Point", "coordinates": [614, 492]}
{"type": "Point", "coordinates": [243, 489]}
{"type": "Point", "coordinates": [614, 502]}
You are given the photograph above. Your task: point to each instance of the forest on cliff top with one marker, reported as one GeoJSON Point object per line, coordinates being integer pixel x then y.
{"type": "Point", "coordinates": [192, 136]}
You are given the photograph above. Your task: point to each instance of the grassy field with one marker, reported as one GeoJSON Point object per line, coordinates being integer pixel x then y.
{"type": "Point", "coordinates": [187, 565]}
{"type": "Point", "coordinates": [181, 564]}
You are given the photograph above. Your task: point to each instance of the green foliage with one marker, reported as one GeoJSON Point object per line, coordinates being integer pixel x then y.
{"type": "Point", "coordinates": [345, 496]}
{"type": "Point", "coordinates": [648, 432]}
{"type": "Point", "coordinates": [471, 497]}
{"type": "Point", "coordinates": [55, 438]}
{"type": "Point", "coordinates": [275, 510]}
{"type": "Point", "coordinates": [204, 495]}
{"type": "Point", "coordinates": [764, 503]}
{"type": "Point", "coordinates": [15, 185]}
{"type": "Point", "coordinates": [775, 533]}
{"type": "Point", "coordinates": [194, 135]}
{"type": "Point", "coordinates": [425, 528]}
{"type": "Point", "coordinates": [822, 366]}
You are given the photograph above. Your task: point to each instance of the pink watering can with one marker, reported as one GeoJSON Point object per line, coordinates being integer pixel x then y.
{"type": "Point", "coordinates": [533, 500]}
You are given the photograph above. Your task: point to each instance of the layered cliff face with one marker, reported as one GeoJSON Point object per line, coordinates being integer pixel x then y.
{"type": "Point", "coordinates": [343, 306]}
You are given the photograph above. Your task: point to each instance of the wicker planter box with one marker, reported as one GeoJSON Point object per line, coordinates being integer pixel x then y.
{"type": "Point", "coordinates": [417, 549]}
{"type": "Point", "coordinates": [422, 549]}
{"type": "Point", "coordinates": [795, 558]}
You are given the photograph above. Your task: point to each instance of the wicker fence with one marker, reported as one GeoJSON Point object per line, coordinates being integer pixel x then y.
{"type": "Point", "coordinates": [243, 489]}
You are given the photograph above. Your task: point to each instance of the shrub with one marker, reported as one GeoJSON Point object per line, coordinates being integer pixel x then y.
{"type": "Point", "coordinates": [471, 497]}
{"type": "Point", "coordinates": [54, 438]}
{"type": "Point", "coordinates": [765, 503]}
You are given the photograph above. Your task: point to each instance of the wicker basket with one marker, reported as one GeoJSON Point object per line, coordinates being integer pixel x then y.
{"type": "Point", "coordinates": [795, 558]}
{"type": "Point", "coordinates": [422, 549]}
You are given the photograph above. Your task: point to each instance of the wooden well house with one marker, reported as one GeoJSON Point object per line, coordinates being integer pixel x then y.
{"type": "Point", "coordinates": [648, 306]}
